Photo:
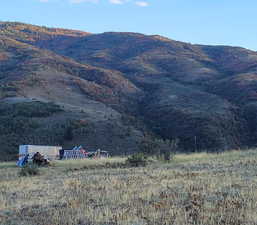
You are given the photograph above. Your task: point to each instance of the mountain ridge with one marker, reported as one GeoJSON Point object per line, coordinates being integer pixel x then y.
{"type": "Point", "coordinates": [206, 96]}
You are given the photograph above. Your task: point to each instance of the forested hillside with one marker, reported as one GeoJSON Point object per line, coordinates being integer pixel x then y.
{"type": "Point", "coordinates": [111, 90]}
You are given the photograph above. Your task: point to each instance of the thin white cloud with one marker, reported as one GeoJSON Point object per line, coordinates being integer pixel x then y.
{"type": "Point", "coordinates": [115, 2]}
{"type": "Point", "coordinates": [142, 4]}
{"type": "Point", "coordinates": [118, 2]}
{"type": "Point", "coordinates": [82, 1]}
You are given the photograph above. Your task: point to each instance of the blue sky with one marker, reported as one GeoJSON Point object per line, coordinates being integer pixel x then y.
{"type": "Point", "coordinates": [225, 22]}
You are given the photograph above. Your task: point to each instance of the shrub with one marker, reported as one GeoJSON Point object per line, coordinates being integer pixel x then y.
{"type": "Point", "coordinates": [162, 149]}
{"type": "Point", "coordinates": [136, 160]}
{"type": "Point", "coordinates": [167, 148]}
{"type": "Point", "coordinates": [29, 170]}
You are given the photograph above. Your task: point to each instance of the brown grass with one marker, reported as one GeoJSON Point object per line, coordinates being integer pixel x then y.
{"type": "Point", "coordinates": [200, 189]}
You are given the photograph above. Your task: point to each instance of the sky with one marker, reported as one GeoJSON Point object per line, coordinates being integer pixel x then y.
{"type": "Point", "coordinates": [215, 22]}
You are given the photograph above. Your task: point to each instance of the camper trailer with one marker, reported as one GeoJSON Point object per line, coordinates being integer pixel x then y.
{"type": "Point", "coordinates": [49, 152]}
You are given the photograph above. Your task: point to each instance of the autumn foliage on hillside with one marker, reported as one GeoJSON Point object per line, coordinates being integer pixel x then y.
{"type": "Point", "coordinates": [129, 85]}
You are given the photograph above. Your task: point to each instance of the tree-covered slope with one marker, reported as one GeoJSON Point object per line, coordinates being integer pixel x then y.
{"type": "Point", "coordinates": [204, 95]}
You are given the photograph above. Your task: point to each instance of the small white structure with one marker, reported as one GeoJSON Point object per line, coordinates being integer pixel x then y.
{"type": "Point", "coordinates": [75, 153]}
{"type": "Point", "coordinates": [49, 152]}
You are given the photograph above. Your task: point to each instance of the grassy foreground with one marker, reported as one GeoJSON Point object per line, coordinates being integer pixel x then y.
{"type": "Point", "coordinates": [206, 189]}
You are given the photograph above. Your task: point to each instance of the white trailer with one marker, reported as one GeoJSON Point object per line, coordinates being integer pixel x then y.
{"type": "Point", "coordinates": [49, 152]}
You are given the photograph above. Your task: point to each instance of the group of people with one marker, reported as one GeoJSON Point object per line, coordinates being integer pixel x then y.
{"type": "Point", "coordinates": [37, 159]}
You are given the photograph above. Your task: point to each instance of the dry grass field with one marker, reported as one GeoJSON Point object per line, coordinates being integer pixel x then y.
{"type": "Point", "coordinates": [200, 189]}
